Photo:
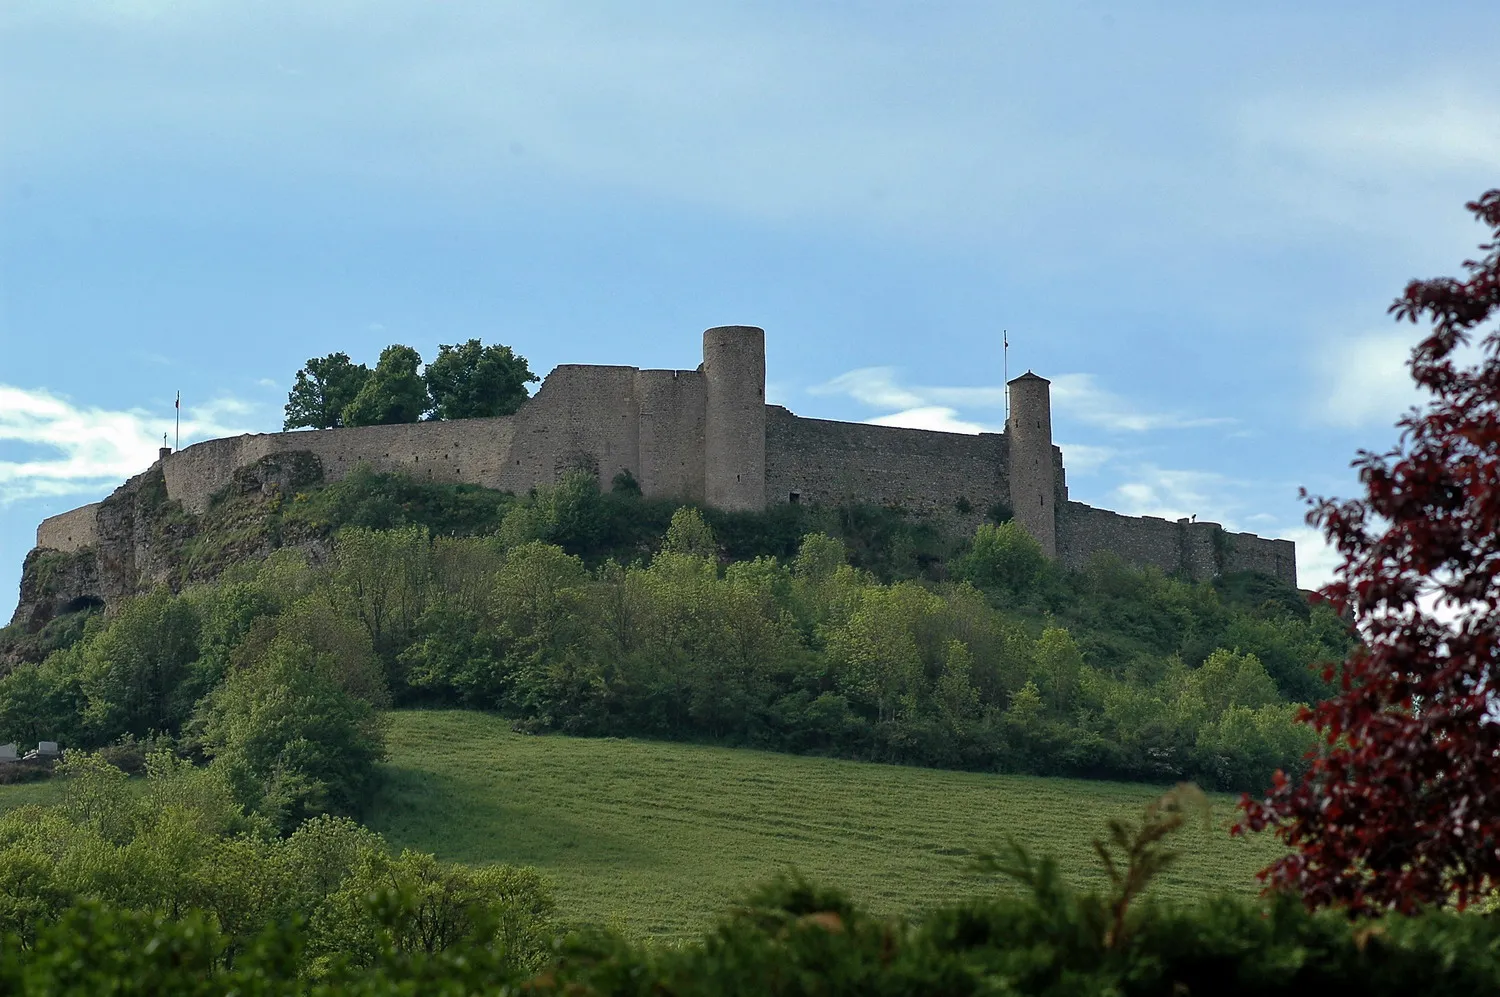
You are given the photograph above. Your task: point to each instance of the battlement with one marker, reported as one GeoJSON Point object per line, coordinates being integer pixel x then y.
{"type": "Point", "coordinates": [707, 435]}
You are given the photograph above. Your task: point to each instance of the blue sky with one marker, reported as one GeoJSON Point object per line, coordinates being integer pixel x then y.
{"type": "Point", "coordinates": [1191, 217]}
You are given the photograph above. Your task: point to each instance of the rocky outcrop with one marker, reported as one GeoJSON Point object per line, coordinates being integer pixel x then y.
{"type": "Point", "coordinates": [144, 539]}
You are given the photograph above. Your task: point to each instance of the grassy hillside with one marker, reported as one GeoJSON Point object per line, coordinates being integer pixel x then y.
{"type": "Point", "coordinates": [657, 838]}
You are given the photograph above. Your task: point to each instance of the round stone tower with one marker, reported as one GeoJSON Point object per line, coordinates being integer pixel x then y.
{"type": "Point", "coordinates": [734, 417]}
{"type": "Point", "coordinates": [1033, 484]}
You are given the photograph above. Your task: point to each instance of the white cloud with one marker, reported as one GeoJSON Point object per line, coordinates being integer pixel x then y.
{"type": "Point", "coordinates": [1316, 560]}
{"type": "Point", "coordinates": [1081, 458]}
{"type": "Point", "coordinates": [873, 386]}
{"type": "Point", "coordinates": [1416, 126]}
{"type": "Point", "coordinates": [935, 417]}
{"type": "Point", "coordinates": [84, 449]}
{"type": "Point", "coordinates": [1173, 494]}
{"type": "Point", "coordinates": [940, 406]}
{"type": "Point", "coordinates": [1366, 380]}
{"type": "Point", "coordinates": [1081, 397]}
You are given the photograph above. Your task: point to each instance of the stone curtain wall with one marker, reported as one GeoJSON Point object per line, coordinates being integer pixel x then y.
{"type": "Point", "coordinates": [708, 436]}
{"type": "Point", "coordinates": [583, 418]}
{"type": "Point", "coordinates": [1201, 550]}
{"type": "Point", "coordinates": [671, 411]}
{"type": "Point", "coordinates": [1248, 552]}
{"type": "Point", "coordinates": [70, 531]}
{"type": "Point", "coordinates": [922, 471]}
{"type": "Point", "coordinates": [464, 450]}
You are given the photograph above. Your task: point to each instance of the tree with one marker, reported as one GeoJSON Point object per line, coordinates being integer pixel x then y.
{"type": "Point", "coordinates": [323, 389]}
{"type": "Point", "coordinates": [688, 534]}
{"type": "Point", "coordinates": [1003, 556]}
{"type": "Point", "coordinates": [394, 392]}
{"type": "Point", "coordinates": [1399, 806]}
{"type": "Point", "coordinates": [472, 381]}
{"type": "Point", "coordinates": [289, 741]}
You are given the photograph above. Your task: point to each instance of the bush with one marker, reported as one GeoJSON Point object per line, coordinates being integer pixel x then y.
{"type": "Point", "coordinates": [1004, 557]}
{"type": "Point", "coordinates": [289, 740]}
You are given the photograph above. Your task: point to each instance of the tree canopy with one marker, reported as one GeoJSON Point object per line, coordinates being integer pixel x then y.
{"type": "Point", "coordinates": [394, 392]}
{"type": "Point", "coordinates": [471, 381]}
{"type": "Point", "coordinates": [323, 389]}
{"type": "Point", "coordinates": [1400, 807]}
{"type": "Point", "coordinates": [466, 381]}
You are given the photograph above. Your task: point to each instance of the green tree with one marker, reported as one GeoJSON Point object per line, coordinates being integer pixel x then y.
{"type": "Point", "coordinates": [289, 740]}
{"type": "Point", "coordinates": [140, 673]}
{"type": "Point", "coordinates": [1003, 556]}
{"type": "Point", "coordinates": [472, 381]}
{"type": "Point", "coordinates": [393, 393]}
{"type": "Point", "coordinates": [323, 389]}
{"type": "Point", "coordinates": [689, 534]}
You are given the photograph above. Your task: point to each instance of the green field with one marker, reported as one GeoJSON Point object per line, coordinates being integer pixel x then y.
{"type": "Point", "coordinates": [21, 794]}
{"type": "Point", "coordinates": [657, 838]}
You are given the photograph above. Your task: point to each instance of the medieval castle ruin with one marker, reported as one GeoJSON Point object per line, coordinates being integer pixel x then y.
{"type": "Point", "coordinates": [708, 436]}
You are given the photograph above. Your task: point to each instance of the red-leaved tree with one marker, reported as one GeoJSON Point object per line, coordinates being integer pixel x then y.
{"type": "Point", "coordinates": [1400, 806]}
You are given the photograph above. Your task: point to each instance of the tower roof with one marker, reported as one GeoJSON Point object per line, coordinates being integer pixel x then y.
{"type": "Point", "coordinates": [1029, 376]}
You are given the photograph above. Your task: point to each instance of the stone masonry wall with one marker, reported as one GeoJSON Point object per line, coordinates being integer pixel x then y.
{"type": "Point", "coordinates": [583, 418]}
{"type": "Point", "coordinates": [671, 412]}
{"type": "Point", "coordinates": [1248, 552]}
{"type": "Point", "coordinates": [656, 425]}
{"type": "Point", "coordinates": [471, 450]}
{"type": "Point", "coordinates": [70, 531]}
{"type": "Point", "coordinates": [734, 418]}
{"type": "Point", "coordinates": [922, 471]}
{"type": "Point", "coordinates": [1202, 550]}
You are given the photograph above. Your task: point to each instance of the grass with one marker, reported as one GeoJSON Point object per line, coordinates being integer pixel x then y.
{"type": "Point", "coordinates": [44, 792]}
{"type": "Point", "coordinates": [659, 838]}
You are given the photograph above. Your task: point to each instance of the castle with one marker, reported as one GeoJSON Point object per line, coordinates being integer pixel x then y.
{"type": "Point", "coordinates": [708, 436]}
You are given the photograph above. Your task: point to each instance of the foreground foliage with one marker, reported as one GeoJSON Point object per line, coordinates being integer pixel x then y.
{"type": "Point", "coordinates": [1400, 806]}
{"type": "Point", "coordinates": [179, 846]}
{"type": "Point", "coordinates": [794, 938]}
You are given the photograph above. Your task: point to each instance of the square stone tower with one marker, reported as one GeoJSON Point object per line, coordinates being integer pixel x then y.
{"type": "Point", "coordinates": [734, 419]}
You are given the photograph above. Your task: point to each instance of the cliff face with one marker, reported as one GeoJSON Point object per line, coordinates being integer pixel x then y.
{"type": "Point", "coordinates": [141, 540]}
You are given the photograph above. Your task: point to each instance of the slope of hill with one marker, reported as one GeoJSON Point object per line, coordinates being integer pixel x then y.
{"type": "Point", "coordinates": [657, 838]}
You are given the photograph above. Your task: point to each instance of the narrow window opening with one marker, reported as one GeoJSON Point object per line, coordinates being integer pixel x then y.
{"type": "Point", "coordinates": [794, 498]}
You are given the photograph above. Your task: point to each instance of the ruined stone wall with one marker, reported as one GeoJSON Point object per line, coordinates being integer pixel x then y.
{"type": "Point", "coordinates": [1248, 552]}
{"type": "Point", "coordinates": [583, 418]}
{"type": "Point", "coordinates": [831, 462]}
{"type": "Point", "coordinates": [70, 531]}
{"type": "Point", "coordinates": [671, 412]}
{"type": "Point", "coordinates": [1201, 550]}
{"type": "Point", "coordinates": [708, 436]}
{"type": "Point", "coordinates": [471, 450]}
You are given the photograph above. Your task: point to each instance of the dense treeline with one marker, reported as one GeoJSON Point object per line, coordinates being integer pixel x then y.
{"type": "Point", "coordinates": [277, 672]}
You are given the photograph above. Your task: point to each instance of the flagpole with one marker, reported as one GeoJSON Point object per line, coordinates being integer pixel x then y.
{"type": "Point", "coordinates": [178, 407]}
{"type": "Point", "coordinates": [1005, 351]}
